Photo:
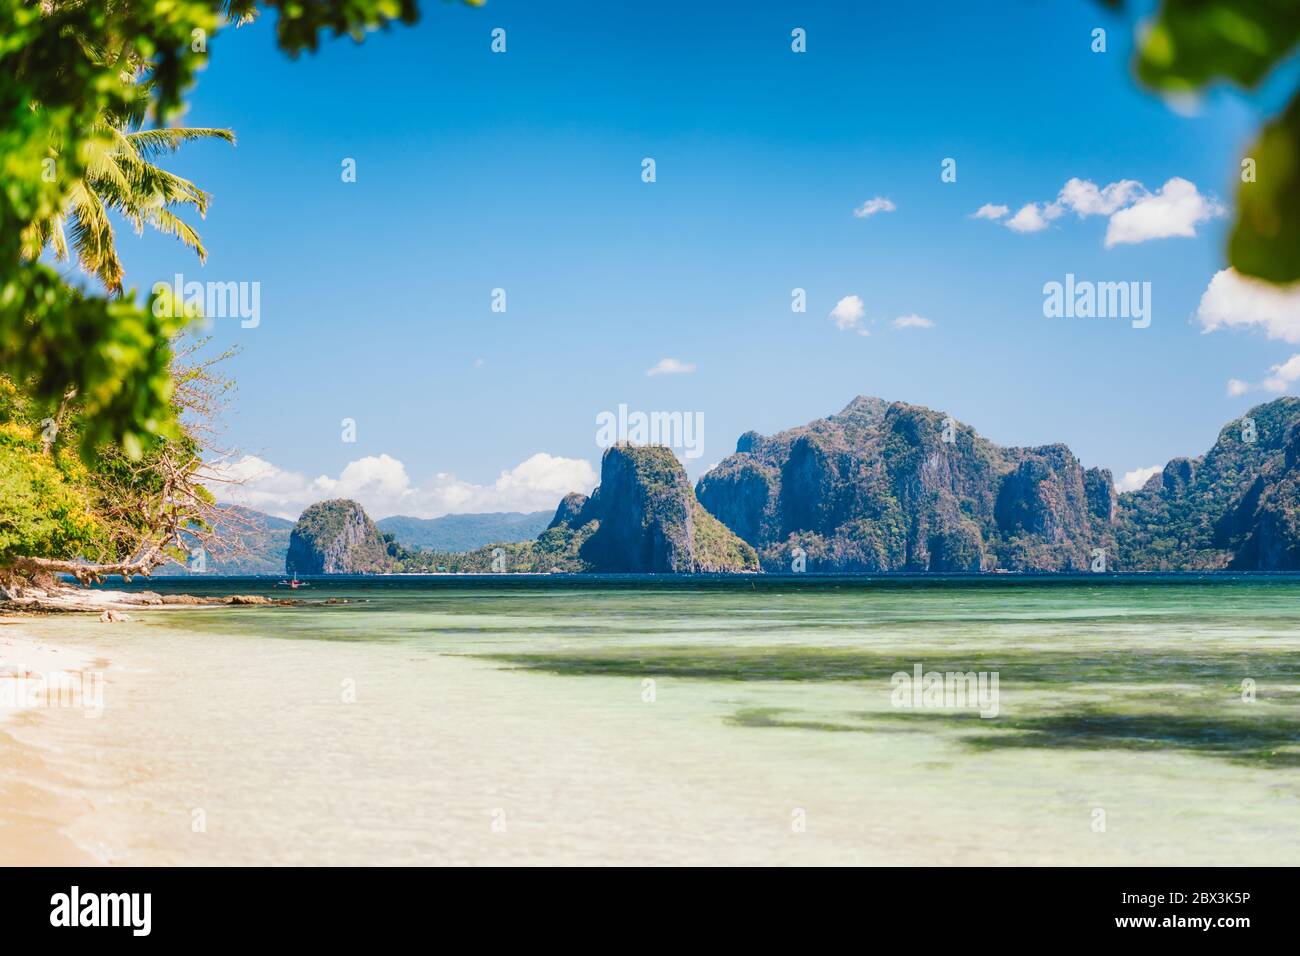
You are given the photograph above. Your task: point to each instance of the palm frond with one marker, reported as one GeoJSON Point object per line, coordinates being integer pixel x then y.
{"type": "Point", "coordinates": [104, 169]}
{"type": "Point", "coordinates": [119, 175]}
{"type": "Point", "coordinates": [155, 142]}
{"type": "Point", "coordinates": [152, 185]}
{"type": "Point", "coordinates": [168, 223]}
{"type": "Point", "coordinates": [58, 238]}
{"type": "Point", "coordinates": [92, 237]}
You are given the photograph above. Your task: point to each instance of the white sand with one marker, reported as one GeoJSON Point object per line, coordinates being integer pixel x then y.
{"type": "Point", "coordinates": [34, 676]}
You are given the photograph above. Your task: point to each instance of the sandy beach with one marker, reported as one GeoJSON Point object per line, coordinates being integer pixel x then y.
{"type": "Point", "coordinates": [33, 814]}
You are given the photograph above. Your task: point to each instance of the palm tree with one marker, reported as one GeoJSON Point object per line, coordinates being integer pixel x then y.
{"type": "Point", "coordinates": [121, 175]}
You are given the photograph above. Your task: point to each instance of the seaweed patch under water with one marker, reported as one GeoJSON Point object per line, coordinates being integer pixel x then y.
{"type": "Point", "coordinates": [1128, 666]}
{"type": "Point", "coordinates": [1130, 699]}
{"type": "Point", "coordinates": [1264, 739]}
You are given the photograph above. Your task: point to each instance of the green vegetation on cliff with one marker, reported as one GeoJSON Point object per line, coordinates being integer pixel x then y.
{"type": "Point", "coordinates": [336, 537]}
{"type": "Point", "coordinates": [1235, 507]}
{"type": "Point", "coordinates": [897, 487]}
{"type": "Point", "coordinates": [894, 487]}
{"type": "Point", "coordinates": [643, 518]}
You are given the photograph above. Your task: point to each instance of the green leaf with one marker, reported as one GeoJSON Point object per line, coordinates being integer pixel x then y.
{"type": "Point", "coordinates": [1194, 42]}
{"type": "Point", "coordinates": [1266, 237]}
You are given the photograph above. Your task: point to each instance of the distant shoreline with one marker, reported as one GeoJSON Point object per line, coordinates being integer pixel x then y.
{"type": "Point", "coordinates": [110, 601]}
{"type": "Point", "coordinates": [213, 585]}
{"type": "Point", "coordinates": [179, 592]}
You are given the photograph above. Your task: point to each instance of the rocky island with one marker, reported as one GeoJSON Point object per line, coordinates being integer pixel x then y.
{"type": "Point", "coordinates": [881, 487]}
{"type": "Point", "coordinates": [643, 518]}
{"type": "Point", "coordinates": [884, 486]}
{"type": "Point", "coordinates": [336, 537]}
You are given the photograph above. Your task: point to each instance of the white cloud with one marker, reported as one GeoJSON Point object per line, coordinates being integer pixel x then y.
{"type": "Point", "coordinates": [1280, 379]}
{"type": "Point", "coordinates": [873, 206]}
{"type": "Point", "coordinates": [1086, 199]}
{"type": "Point", "coordinates": [256, 483]}
{"type": "Point", "coordinates": [1174, 210]}
{"type": "Point", "coordinates": [1135, 215]}
{"type": "Point", "coordinates": [383, 487]}
{"type": "Point", "coordinates": [912, 322]}
{"type": "Point", "coordinates": [1238, 302]}
{"type": "Point", "coordinates": [1283, 376]}
{"type": "Point", "coordinates": [1235, 301]}
{"type": "Point", "coordinates": [849, 313]}
{"type": "Point", "coordinates": [1135, 479]}
{"type": "Point", "coordinates": [670, 366]}
{"type": "Point", "coordinates": [1033, 217]}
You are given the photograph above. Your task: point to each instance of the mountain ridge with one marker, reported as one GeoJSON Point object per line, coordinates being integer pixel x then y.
{"type": "Point", "coordinates": [464, 532]}
{"type": "Point", "coordinates": [889, 486]}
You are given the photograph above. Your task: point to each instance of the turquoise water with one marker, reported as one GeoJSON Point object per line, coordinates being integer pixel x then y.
{"type": "Point", "coordinates": [753, 720]}
{"type": "Point", "coordinates": [1211, 669]}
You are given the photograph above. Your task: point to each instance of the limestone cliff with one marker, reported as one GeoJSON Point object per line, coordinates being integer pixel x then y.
{"type": "Point", "coordinates": [336, 537]}
{"type": "Point", "coordinates": [1236, 507]}
{"type": "Point", "coordinates": [895, 487]}
{"type": "Point", "coordinates": [644, 518]}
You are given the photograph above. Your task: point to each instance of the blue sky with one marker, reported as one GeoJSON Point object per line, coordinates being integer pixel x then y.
{"type": "Point", "coordinates": [522, 171]}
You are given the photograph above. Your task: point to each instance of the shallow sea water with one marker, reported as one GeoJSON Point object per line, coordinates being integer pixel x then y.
{"type": "Point", "coordinates": [648, 722]}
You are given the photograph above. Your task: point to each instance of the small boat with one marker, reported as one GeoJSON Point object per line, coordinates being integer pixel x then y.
{"type": "Point", "coordinates": [295, 583]}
